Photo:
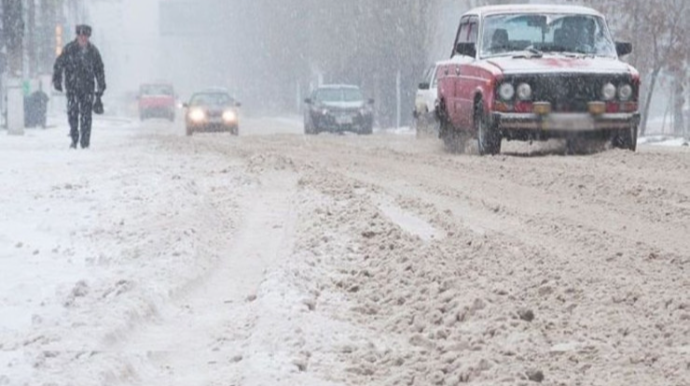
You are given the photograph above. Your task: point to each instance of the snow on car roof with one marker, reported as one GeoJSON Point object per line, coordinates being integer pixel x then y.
{"type": "Point", "coordinates": [532, 8]}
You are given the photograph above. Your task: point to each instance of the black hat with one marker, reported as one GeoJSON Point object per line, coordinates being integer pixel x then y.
{"type": "Point", "coordinates": [83, 29]}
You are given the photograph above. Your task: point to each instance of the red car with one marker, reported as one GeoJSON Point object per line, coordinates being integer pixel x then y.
{"type": "Point", "coordinates": [157, 101]}
{"type": "Point", "coordinates": [536, 72]}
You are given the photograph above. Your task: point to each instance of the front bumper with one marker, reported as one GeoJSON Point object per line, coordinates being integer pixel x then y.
{"type": "Point", "coordinates": [212, 126]}
{"type": "Point", "coordinates": [331, 123]}
{"type": "Point", "coordinates": [158, 112]}
{"type": "Point", "coordinates": [564, 122]}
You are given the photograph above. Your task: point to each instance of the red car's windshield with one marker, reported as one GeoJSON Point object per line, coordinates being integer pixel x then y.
{"type": "Point", "coordinates": [565, 33]}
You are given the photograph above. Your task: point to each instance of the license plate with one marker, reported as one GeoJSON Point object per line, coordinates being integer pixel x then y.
{"type": "Point", "coordinates": [344, 120]}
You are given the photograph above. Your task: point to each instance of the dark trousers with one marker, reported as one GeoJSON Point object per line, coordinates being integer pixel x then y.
{"type": "Point", "coordinates": [79, 107]}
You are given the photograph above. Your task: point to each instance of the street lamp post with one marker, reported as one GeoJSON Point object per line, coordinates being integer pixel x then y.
{"type": "Point", "coordinates": [13, 28]}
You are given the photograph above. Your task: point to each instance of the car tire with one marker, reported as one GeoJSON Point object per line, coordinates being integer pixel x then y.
{"type": "Point", "coordinates": [426, 126]}
{"type": "Point", "coordinates": [368, 130]}
{"type": "Point", "coordinates": [453, 140]}
{"type": "Point", "coordinates": [190, 131]}
{"type": "Point", "coordinates": [311, 129]}
{"type": "Point", "coordinates": [626, 139]}
{"type": "Point", "coordinates": [488, 137]}
{"type": "Point", "coordinates": [235, 131]}
{"type": "Point", "coordinates": [419, 127]}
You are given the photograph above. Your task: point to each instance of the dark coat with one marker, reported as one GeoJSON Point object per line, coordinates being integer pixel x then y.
{"type": "Point", "coordinates": [82, 69]}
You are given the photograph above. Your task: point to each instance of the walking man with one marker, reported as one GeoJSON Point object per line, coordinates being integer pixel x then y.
{"type": "Point", "coordinates": [81, 66]}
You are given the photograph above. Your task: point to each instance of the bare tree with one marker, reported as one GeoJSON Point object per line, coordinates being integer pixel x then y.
{"type": "Point", "coordinates": [659, 29]}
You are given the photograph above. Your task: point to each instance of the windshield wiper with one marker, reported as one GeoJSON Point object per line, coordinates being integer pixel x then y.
{"type": "Point", "coordinates": [533, 53]}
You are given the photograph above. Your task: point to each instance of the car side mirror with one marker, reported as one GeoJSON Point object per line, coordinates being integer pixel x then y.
{"type": "Point", "coordinates": [623, 48]}
{"type": "Point", "coordinates": [467, 49]}
{"type": "Point", "coordinates": [371, 101]}
{"type": "Point", "coordinates": [238, 104]}
{"type": "Point", "coordinates": [424, 86]}
{"type": "Point", "coordinates": [185, 105]}
{"type": "Point", "coordinates": [308, 101]}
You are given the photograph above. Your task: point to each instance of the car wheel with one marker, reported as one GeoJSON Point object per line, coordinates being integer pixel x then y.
{"type": "Point", "coordinates": [235, 131]}
{"type": "Point", "coordinates": [368, 130]}
{"type": "Point", "coordinates": [190, 131]}
{"type": "Point", "coordinates": [310, 128]}
{"type": "Point", "coordinates": [416, 124]}
{"type": "Point", "coordinates": [452, 139]}
{"type": "Point", "coordinates": [426, 126]}
{"type": "Point", "coordinates": [626, 139]}
{"type": "Point", "coordinates": [488, 138]}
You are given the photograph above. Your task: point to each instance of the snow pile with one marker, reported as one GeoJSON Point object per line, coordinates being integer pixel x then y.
{"type": "Point", "coordinates": [477, 306]}
{"type": "Point", "coordinates": [660, 140]}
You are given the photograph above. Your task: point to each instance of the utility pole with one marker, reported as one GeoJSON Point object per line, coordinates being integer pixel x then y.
{"type": "Point", "coordinates": [31, 38]}
{"type": "Point", "coordinates": [13, 29]}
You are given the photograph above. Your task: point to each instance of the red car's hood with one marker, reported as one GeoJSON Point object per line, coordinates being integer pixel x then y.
{"type": "Point", "coordinates": [560, 64]}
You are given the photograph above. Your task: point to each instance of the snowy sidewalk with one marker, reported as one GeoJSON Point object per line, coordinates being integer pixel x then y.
{"type": "Point", "coordinates": [93, 242]}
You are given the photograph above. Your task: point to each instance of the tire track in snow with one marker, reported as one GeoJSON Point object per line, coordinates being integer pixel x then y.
{"type": "Point", "coordinates": [189, 343]}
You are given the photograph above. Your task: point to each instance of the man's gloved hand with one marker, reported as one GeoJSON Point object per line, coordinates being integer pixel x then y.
{"type": "Point", "coordinates": [58, 86]}
{"type": "Point", "coordinates": [99, 93]}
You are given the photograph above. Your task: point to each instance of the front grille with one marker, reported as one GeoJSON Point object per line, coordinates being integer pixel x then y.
{"type": "Point", "coordinates": [569, 92]}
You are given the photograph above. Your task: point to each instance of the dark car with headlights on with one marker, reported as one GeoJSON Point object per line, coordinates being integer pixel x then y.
{"type": "Point", "coordinates": [536, 72]}
{"type": "Point", "coordinates": [212, 110]}
{"type": "Point", "coordinates": [338, 108]}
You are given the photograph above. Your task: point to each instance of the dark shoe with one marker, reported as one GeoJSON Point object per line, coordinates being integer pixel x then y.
{"type": "Point", "coordinates": [73, 146]}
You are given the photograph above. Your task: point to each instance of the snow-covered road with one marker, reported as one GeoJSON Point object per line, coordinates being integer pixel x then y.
{"type": "Point", "coordinates": [279, 259]}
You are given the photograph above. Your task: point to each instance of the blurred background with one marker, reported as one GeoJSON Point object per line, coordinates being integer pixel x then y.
{"type": "Point", "coordinates": [271, 53]}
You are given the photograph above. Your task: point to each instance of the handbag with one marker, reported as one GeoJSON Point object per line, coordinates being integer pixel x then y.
{"type": "Point", "coordinates": [98, 106]}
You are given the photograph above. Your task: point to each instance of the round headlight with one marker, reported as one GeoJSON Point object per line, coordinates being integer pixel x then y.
{"type": "Point", "coordinates": [608, 92]}
{"type": "Point", "coordinates": [625, 92]}
{"type": "Point", "coordinates": [230, 116]}
{"type": "Point", "coordinates": [506, 91]}
{"type": "Point", "coordinates": [324, 111]}
{"type": "Point", "coordinates": [197, 115]}
{"type": "Point", "coordinates": [524, 92]}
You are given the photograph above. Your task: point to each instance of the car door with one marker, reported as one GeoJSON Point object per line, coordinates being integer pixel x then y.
{"type": "Point", "coordinates": [423, 93]}
{"type": "Point", "coordinates": [466, 81]}
{"type": "Point", "coordinates": [308, 120]}
{"type": "Point", "coordinates": [432, 93]}
{"type": "Point", "coordinates": [452, 73]}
